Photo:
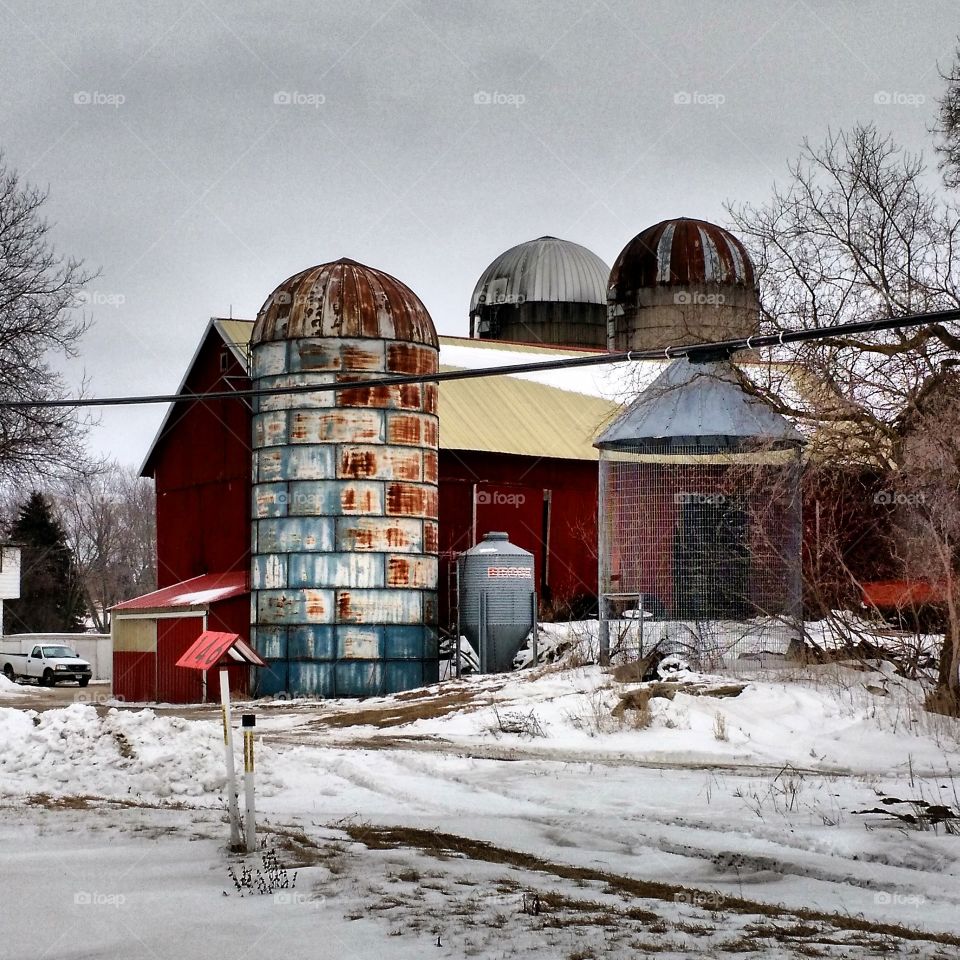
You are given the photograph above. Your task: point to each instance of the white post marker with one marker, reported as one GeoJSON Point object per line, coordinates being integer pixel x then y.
{"type": "Point", "coordinates": [249, 722]}
{"type": "Point", "coordinates": [232, 806]}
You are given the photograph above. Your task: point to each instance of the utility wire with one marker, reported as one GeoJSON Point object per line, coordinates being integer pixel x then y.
{"type": "Point", "coordinates": [700, 352]}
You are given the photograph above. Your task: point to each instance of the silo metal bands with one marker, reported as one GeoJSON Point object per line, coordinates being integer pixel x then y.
{"type": "Point", "coordinates": [344, 569]}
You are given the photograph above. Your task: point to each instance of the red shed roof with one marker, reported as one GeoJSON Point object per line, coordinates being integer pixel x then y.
{"type": "Point", "coordinates": [197, 593]}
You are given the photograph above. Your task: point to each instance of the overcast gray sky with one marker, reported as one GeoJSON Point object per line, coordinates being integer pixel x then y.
{"type": "Point", "coordinates": [198, 153]}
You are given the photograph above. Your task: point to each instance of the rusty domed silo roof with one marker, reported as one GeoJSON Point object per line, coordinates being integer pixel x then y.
{"type": "Point", "coordinates": [698, 405]}
{"type": "Point", "coordinates": [543, 270]}
{"type": "Point", "coordinates": [681, 252]}
{"type": "Point", "coordinates": [344, 299]}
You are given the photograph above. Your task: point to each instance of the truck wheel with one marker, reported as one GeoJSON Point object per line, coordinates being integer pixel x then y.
{"type": "Point", "coordinates": [47, 679]}
{"type": "Point", "coordinates": [84, 681]}
{"type": "Point", "coordinates": [9, 674]}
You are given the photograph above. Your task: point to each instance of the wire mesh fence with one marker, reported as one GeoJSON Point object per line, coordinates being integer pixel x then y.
{"type": "Point", "coordinates": [700, 553]}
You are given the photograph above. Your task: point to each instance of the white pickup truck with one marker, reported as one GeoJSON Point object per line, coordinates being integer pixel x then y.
{"type": "Point", "coordinates": [48, 664]}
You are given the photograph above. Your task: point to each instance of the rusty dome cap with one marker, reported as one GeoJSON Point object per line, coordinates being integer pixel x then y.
{"type": "Point", "coordinates": [344, 299]}
{"type": "Point", "coordinates": [681, 252]}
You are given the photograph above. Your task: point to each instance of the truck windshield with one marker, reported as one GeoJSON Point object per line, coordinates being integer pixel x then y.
{"type": "Point", "coordinates": [59, 652]}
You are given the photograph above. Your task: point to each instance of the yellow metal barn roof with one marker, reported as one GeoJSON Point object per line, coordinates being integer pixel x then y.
{"type": "Point", "coordinates": [497, 414]}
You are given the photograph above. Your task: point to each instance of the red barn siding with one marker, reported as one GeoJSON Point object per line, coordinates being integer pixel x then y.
{"type": "Point", "coordinates": [509, 492]}
{"type": "Point", "coordinates": [202, 470]}
{"type": "Point", "coordinates": [134, 676]}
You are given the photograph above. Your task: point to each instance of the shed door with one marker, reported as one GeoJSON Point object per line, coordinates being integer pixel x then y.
{"type": "Point", "coordinates": [711, 560]}
{"type": "Point", "coordinates": [177, 684]}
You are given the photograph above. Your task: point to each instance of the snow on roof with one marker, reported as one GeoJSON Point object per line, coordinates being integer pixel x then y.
{"type": "Point", "coordinates": [197, 592]}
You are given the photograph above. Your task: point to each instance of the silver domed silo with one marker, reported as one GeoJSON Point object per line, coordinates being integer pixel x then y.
{"type": "Point", "coordinates": [546, 291]}
{"type": "Point", "coordinates": [496, 599]}
{"type": "Point", "coordinates": [344, 538]}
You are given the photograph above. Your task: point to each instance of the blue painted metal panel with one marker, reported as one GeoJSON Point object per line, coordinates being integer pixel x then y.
{"type": "Point", "coordinates": [379, 534]}
{"type": "Point", "coordinates": [359, 678]}
{"type": "Point", "coordinates": [408, 642]}
{"type": "Point", "coordinates": [336, 569]}
{"type": "Point", "coordinates": [270, 642]}
{"type": "Point", "coordinates": [380, 606]}
{"type": "Point", "coordinates": [332, 498]}
{"type": "Point", "coordinates": [270, 500]}
{"type": "Point", "coordinates": [403, 675]}
{"type": "Point", "coordinates": [295, 534]}
{"type": "Point", "coordinates": [308, 400]}
{"type": "Point", "coordinates": [269, 571]}
{"type": "Point", "coordinates": [294, 606]}
{"type": "Point", "coordinates": [360, 642]}
{"type": "Point", "coordinates": [270, 680]}
{"type": "Point", "coordinates": [313, 642]}
{"type": "Point", "coordinates": [311, 679]}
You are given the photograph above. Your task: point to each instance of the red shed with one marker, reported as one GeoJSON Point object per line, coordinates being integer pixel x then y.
{"type": "Point", "coordinates": [152, 632]}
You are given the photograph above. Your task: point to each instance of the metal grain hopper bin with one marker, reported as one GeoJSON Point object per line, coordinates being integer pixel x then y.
{"type": "Point", "coordinates": [497, 600]}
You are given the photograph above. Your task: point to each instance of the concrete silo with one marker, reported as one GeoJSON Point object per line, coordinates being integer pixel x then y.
{"type": "Point", "coordinates": [344, 569]}
{"type": "Point", "coordinates": [679, 282]}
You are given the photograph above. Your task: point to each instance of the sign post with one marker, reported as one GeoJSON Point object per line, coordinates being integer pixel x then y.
{"type": "Point", "coordinates": [232, 805]}
{"type": "Point", "coordinates": [208, 650]}
{"type": "Point", "coordinates": [249, 723]}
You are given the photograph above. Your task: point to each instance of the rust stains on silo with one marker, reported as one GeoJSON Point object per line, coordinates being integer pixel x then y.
{"type": "Point", "coordinates": [431, 537]}
{"type": "Point", "coordinates": [431, 466]}
{"type": "Point", "coordinates": [410, 358]}
{"type": "Point", "coordinates": [411, 500]}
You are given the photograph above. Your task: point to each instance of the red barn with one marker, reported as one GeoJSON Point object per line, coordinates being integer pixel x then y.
{"type": "Point", "coordinates": [515, 455]}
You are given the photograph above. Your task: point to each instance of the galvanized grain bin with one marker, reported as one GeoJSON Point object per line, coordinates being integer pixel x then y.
{"type": "Point", "coordinates": [699, 519]}
{"type": "Point", "coordinates": [344, 570]}
{"type": "Point", "coordinates": [497, 600]}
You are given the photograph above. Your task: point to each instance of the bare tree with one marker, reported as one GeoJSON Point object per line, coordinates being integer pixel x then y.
{"type": "Point", "coordinates": [110, 520]}
{"type": "Point", "coordinates": [947, 128]}
{"type": "Point", "coordinates": [856, 233]}
{"type": "Point", "coordinates": [927, 527]}
{"type": "Point", "coordinates": [38, 293]}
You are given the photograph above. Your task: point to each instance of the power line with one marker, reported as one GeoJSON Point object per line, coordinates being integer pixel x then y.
{"type": "Point", "coordinates": [695, 352]}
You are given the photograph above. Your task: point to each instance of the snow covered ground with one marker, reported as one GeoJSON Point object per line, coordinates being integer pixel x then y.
{"type": "Point", "coordinates": [490, 817]}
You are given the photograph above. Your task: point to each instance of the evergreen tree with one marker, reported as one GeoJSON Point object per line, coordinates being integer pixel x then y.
{"type": "Point", "coordinates": [50, 599]}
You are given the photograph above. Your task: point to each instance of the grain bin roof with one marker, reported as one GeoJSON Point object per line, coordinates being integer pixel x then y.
{"type": "Point", "coordinates": [697, 405]}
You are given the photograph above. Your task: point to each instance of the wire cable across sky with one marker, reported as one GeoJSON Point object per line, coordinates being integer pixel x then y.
{"type": "Point", "coordinates": [695, 352]}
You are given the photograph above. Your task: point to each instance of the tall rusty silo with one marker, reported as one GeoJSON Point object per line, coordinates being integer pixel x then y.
{"type": "Point", "coordinates": [344, 570]}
